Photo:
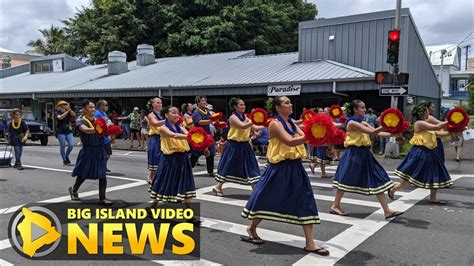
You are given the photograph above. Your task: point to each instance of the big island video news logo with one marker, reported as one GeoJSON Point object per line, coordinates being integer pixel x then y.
{"type": "Point", "coordinates": [64, 231]}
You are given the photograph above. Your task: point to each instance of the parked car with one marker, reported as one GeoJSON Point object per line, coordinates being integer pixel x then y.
{"type": "Point", "coordinates": [38, 130]}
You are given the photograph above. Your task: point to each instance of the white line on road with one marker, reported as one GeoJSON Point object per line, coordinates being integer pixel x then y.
{"type": "Point", "coordinates": [5, 263]}
{"type": "Point", "coordinates": [82, 194]}
{"type": "Point", "coordinates": [70, 171]}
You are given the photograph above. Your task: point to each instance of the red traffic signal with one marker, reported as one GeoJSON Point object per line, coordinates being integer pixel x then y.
{"type": "Point", "coordinates": [393, 46]}
{"type": "Point", "coordinates": [394, 35]}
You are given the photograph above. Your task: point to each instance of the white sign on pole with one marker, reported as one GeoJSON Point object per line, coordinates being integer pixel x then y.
{"type": "Point", "coordinates": [57, 65]}
{"type": "Point", "coordinates": [284, 90]}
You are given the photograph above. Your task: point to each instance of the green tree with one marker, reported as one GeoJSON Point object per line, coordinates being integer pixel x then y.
{"type": "Point", "coordinates": [186, 27]}
{"type": "Point", "coordinates": [470, 90]}
{"type": "Point", "coordinates": [52, 42]}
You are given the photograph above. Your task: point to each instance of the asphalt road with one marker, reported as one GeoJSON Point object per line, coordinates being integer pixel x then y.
{"type": "Point", "coordinates": [425, 234]}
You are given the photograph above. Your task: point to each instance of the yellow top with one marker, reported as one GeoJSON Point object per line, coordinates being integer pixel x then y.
{"type": "Point", "coordinates": [172, 145]}
{"type": "Point", "coordinates": [278, 151]}
{"type": "Point", "coordinates": [424, 138]}
{"type": "Point", "coordinates": [238, 134]}
{"type": "Point", "coordinates": [152, 130]}
{"type": "Point", "coordinates": [358, 139]}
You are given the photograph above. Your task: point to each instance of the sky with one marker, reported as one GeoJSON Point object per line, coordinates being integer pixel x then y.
{"type": "Point", "coordinates": [438, 21]}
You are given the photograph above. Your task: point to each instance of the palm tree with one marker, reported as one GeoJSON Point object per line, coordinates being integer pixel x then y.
{"type": "Point", "coordinates": [52, 42]}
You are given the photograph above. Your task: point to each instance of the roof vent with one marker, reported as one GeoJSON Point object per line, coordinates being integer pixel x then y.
{"type": "Point", "coordinates": [6, 61]}
{"type": "Point", "coordinates": [145, 54]}
{"type": "Point", "coordinates": [117, 63]}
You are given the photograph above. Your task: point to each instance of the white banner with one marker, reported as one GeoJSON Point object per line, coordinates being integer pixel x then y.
{"type": "Point", "coordinates": [284, 90]}
{"type": "Point", "coordinates": [57, 65]}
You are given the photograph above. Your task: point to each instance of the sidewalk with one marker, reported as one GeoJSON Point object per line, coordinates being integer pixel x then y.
{"type": "Point", "coordinates": [119, 144]}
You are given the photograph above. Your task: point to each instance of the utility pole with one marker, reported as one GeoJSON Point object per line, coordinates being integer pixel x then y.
{"type": "Point", "coordinates": [443, 52]}
{"type": "Point", "coordinates": [467, 55]}
{"type": "Point", "coordinates": [392, 148]}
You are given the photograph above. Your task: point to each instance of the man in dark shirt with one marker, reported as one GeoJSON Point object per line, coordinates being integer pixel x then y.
{"type": "Point", "coordinates": [17, 135]}
{"type": "Point", "coordinates": [201, 119]}
{"type": "Point", "coordinates": [64, 117]}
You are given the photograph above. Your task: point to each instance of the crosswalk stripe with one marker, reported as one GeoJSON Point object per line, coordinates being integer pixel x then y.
{"type": "Point", "coordinates": [5, 263]}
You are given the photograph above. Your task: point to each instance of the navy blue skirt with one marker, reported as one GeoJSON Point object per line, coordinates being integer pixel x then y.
{"type": "Point", "coordinates": [361, 173]}
{"type": "Point", "coordinates": [283, 194]}
{"type": "Point", "coordinates": [440, 149]}
{"type": "Point", "coordinates": [174, 179]}
{"type": "Point", "coordinates": [238, 164]}
{"type": "Point", "coordinates": [321, 156]}
{"type": "Point", "coordinates": [312, 152]}
{"type": "Point", "coordinates": [91, 163]}
{"type": "Point", "coordinates": [424, 168]}
{"type": "Point", "coordinates": [154, 152]}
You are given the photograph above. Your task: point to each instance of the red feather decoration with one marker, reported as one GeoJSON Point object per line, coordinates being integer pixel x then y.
{"type": "Point", "coordinates": [216, 116]}
{"type": "Point", "coordinates": [339, 137]}
{"type": "Point", "coordinates": [100, 126]}
{"type": "Point", "coordinates": [199, 139]}
{"type": "Point", "coordinates": [220, 124]}
{"type": "Point", "coordinates": [114, 130]}
{"type": "Point", "coordinates": [259, 116]}
{"type": "Point", "coordinates": [180, 120]}
{"type": "Point", "coordinates": [307, 114]}
{"type": "Point", "coordinates": [319, 130]}
{"type": "Point", "coordinates": [457, 119]}
{"type": "Point", "coordinates": [392, 120]}
{"type": "Point", "coordinates": [335, 111]}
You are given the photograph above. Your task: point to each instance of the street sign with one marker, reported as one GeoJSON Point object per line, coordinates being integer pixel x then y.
{"type": "Point", "coordinates": [393, 91]}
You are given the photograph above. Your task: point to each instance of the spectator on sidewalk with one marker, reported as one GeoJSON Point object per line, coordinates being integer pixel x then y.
{"type": "Point", "coordinates": [144, 129]}
{"type": "Point", "coordinates": [135, 126]}
{"type": "Point", "coordinates": [125, 124]}
{"type": "Point", "coordinates": [65, 116]}
{"type": "Point", "coordinates": [18, 135]}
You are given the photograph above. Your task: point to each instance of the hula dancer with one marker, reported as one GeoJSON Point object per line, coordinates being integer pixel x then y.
{"type": "Point", "coordinates": [284, 191]}
{"type": "Point", "coordinates": [432, 120]}
{"type": "Point", "coordinates": [201, 118]}
{"type": "Point", "coordinates": [174, 181]}
{"type": "Point", "coordinates": [238, 163]}
{"type": "Point", "coordinates": [423, 167]}
{"type": "Point", "coordinates": [92, 159]}
{"type": "Point", "coordinates": [187, 109]}
{"type": "Point", "coordinates": [155, 121]}
{"type": "Point", "coordinates": [17, 135]}
{"type": "Point", "coordinates": [358, 171]}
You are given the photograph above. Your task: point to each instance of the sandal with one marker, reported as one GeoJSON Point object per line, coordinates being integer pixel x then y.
{"type": "Point", "coordinates": [438, 202]}
{"type": "Point", "coordinates": [338, 213]}
{"type": "Point", "coordinates": [394, 214]}
{"type": "Point", "coordinates": [391, 194]}
{"type": "Point", "coordinates": [254, 240]}
{"type": "Point", "coordinates": [326, 176]}
{"type": "Point", "coordinates": [217, 193]}
{"type": "Point", "coordinates": [318, 251]}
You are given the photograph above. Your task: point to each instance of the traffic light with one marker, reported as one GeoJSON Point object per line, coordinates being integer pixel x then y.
{"type": "Point", "coordinates": [393, 46]}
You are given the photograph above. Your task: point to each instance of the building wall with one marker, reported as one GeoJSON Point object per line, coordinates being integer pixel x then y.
{"type": "Point", "coordinates": [361, 41]}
